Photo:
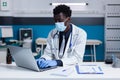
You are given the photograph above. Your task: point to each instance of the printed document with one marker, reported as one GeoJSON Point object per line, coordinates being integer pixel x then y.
{"type": "Point", "coordinates": [88, 69]}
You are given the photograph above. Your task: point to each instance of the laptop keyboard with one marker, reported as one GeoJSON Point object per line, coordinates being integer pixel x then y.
{"type": "Point", "coordinates": [48, 68]}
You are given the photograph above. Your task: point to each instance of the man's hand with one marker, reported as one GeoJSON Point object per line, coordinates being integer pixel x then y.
{"type": "Point", "coordinates": [39, 61]}
{"type": "Point", "coordinates": [47, 63]}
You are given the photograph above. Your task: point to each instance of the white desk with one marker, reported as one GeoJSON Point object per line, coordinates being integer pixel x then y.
{"type": "Point", "coordinates": [12, 72]}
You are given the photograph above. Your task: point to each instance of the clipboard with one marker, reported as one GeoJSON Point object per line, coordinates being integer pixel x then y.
{"type": "Point", "coordinates": [88, 69]}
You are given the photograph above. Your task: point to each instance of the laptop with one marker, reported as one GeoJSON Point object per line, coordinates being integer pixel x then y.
{"type": "Point", "coordinates": [23, 57]}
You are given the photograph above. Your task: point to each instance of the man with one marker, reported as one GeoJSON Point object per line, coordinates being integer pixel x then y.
{"type": "Point", "coordinates": [66, 43]}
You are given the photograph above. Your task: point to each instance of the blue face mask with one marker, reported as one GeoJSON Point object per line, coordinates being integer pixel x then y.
{"type": "Point", "coordinates": [60, 26]}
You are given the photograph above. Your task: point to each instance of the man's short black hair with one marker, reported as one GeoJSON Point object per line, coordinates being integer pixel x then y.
{"type": "Point", "coordinates": [62, 9]}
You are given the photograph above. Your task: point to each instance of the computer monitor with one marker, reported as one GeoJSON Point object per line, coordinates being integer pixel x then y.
{"type": "Point", "coordinates": [6, 32]}
{"type": "Point", "coordinates": [25, 33]}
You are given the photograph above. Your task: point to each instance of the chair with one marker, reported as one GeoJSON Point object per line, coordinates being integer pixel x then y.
{"type": "Point", "coordinates": [93, 43]}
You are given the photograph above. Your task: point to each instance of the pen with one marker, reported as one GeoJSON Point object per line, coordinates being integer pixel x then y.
{"type": "Point", "coordinates": [100, 68]}
{"type": "Point", "coordinates": [77, 68]}
{"type": "Point", "coordinates": [65, 69]}
{"type": "Point", "coordinates": [94, 69]}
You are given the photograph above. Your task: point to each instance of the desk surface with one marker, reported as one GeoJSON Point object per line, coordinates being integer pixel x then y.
{"type": "Point", "coordinates": [12, 72]}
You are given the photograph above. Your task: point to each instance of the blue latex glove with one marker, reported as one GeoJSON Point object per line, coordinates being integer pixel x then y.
{"type": "Point", "coordinates": [48, 63]}
{"type": "Point", "coordinates": [39, 61]}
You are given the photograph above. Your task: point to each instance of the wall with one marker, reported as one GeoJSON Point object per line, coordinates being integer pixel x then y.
{"type": "Point", "coordinates": [38, 8]}
{"type": "Point", "coordinates": [93, 32]}
{"type": "Point", "coordinates": [43, 9]}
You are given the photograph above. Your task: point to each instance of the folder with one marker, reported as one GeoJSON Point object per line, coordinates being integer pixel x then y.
{"type": "Point", "coordinates": [88, 69]}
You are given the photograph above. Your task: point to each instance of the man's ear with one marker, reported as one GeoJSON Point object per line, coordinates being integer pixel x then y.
{"type": "Point", "coordinates": [68, 18]}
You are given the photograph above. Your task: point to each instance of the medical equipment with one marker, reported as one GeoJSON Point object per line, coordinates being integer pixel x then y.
{"type": "Point", "coordinates": [60, 26]}
{"type": "Point", "coordinates": [40, 45]}
{"type": "Point", "coordinates": [70, 45]}
{"type": "Point", "coordinates": [61, 52]}
{"type": "Point", "coordinates": [25, 35]}
{"type": "Point", "coordinates": [70, 49]}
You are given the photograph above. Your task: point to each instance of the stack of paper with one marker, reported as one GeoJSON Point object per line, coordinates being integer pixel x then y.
{"type": "Point", "coordinates": [63, 71]}
{"type": "Point", "coordinates": [88, 69]}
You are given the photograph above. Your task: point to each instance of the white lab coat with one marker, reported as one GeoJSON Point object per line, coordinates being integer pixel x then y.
{"type": "Point", "coordinates": [78, 41]}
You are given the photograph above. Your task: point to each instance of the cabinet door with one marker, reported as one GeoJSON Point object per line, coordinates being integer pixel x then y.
{"type": "Point", "coordinates": [3, 54]}
{"type": "Point", "coordinates": [113, 22]}
{"type": "Point", "coordinates": [113, 46]}
{"type": "Point", "coordinates": [113, 34]}
{"type": "Point", "coordinates": [112, 29]}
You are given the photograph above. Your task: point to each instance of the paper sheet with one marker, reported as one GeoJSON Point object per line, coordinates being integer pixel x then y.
{"type": "Point", "coordinates": [88, 69]}
{"type": "Point", "coordinates": [63, 71]}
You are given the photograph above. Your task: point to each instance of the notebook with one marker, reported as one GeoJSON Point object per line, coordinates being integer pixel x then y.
{"type": "Point", "coordinates": [24, 58]}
